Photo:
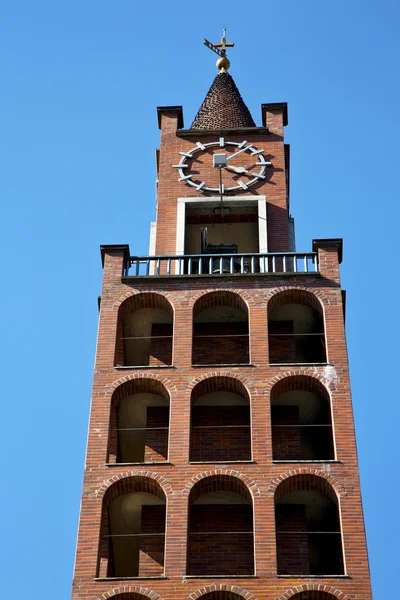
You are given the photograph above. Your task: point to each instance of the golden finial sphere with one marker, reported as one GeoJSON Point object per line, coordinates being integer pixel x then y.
{"type": "Point", "coordinates": [223, 64]}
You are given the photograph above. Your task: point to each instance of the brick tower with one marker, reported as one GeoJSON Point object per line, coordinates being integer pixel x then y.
{"type": "Point", "coordinates": [221, 459]}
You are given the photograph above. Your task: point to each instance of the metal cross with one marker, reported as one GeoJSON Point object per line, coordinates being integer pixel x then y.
{"type": "Point", "coordinates": [223, 45]}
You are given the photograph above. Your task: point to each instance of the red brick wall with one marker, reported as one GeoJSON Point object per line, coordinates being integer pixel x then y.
{"type": "Point", "coordinates": [220, 433]}
{"type": "Point", "coordinates": [286, 441]}
{"type": "Point", "coordinates": [282, 348]}
{"type": "Point", "coordinates": [260, 477]}
{"type": "Point", "coordinates": [151, 555]}
{"type": "Point", "coordinates": [291, 548]}
{"type": "Point", "coordinates": [161, 347]}
{"type": "Point", "coordinates": [219, 542]}
{"type": "Point", "coordinates": [214, 349]}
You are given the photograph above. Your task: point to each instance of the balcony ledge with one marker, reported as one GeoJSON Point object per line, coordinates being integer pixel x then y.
{"type": "Point", "coordinates": [139, 464]}
{"type": "Point", "coordinates": [128, 578]}
{"type": "Point", "coordinates": [299, 365]}
{"type": "Point", "coordinates": [221, 462]}
{"type": "Point", "coordinates": [314, 576]}
{"type": "Point", "coordinates": [220, 577]}
{"type": "Point", "coordinates": [222, 365]}
{"type": "Point", "coordinates": [280, 274]}
{"type": "Point", "coordinates": [132, 367]}
{"type": "Point", "coordinates": [295, 462]}
{"type": "Point", "coordinates": [271, 264]}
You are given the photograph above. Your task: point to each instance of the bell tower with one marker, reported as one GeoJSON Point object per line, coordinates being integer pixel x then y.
{"type": "Point", "coordinates": [221, 460]}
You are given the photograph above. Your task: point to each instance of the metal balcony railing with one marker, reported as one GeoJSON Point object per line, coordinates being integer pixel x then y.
{"type": "Point", "coordinates": [221, 264]}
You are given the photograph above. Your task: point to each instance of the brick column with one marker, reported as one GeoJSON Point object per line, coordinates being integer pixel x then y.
{"type": "Point", "coordinates": [330, 253]}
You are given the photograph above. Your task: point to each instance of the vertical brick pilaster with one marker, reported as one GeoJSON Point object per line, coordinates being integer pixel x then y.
{"type": "Point", "coordinates": [183, 333]}
{"type": "Point", "coordinates": [258, 335]}
{"type": "Point", "coordinates": [329, 258]}
{"type": "Point", "coordinates": [113, 258]}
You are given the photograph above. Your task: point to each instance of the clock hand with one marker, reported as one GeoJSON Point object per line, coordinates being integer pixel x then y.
{"type": "Point", "coordinates": [236, 169]}
{"type": "Point", "coordinates": [238, 152]}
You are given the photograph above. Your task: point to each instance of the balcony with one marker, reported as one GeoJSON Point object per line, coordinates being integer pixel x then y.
{"type": "Point", "coordinates": [195, 265]}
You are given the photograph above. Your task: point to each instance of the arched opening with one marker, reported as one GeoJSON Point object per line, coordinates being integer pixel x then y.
{"type": "Point", "coordinates": [133, 529]}
{"type": "Point", "coordinates": [313, 595]}
{"type": "Point", "coordinates": [301, 420]}
{"type": "Point", "coordinates": [220, 528]}
{"type": "Point", "coordinates": [296, 328]}
{"type": "Point", "coordinates": [220, 330]}
{"type": "Point", "coordinates": [220, 421]}
{"type": "Point", "coordinates": [308, 537]}
{"type": "Point", "coordinates": [139, 424]}
{"type": "Point", "coordinates": [145, 331]}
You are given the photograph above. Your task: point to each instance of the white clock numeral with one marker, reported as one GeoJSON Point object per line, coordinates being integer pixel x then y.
{"type": "Point", "coordinates": [255, 152]}
{"type": "Point", "coordinates": [201, 185]}
{"type": "Point", "coordinates": [185, 178]}
{"type": "Point", "coordinates": [221, 142]}
{"type": "Point", "coordinates": [243, 185]}
{"type": "Point", "coordinates": [183, 166]}
{"type": "Point", "coordinates": [186, 154]}
{"type": "Point", "coordinates": [265, 163]}
{"type": "Point", "coordinates": [242, 145]}
{"type": "Point", "coordinates": [257, 176]}
{"type": "Point", "coordinates": [200, 145]}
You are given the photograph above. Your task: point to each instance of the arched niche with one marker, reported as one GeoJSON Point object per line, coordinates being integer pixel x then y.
{"type": "Point", "coordinates": [307, 522]}
{"type": "Point", "coordinates": [296, 328]}
{"type": "Point", "coordinates": [139, 424]}
{"type": "Point", "coordinates": [301, 420]}
{"type": "Point", "coordinates": [133, 529]}
{"type": "Point", "coordinates": [145, 331]}
{"type": "Point", "coordinates": [220, 421]}
{"type": "Point", "coordinates": [220, 528]}
{"type": "Point", "coordinates": [220, 329]}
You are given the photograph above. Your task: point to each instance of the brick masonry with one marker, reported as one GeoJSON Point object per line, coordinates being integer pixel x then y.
{"type": "Point", "coordinates": [180, 482]}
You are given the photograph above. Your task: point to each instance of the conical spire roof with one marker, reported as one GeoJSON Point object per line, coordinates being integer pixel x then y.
{"type": "Point", "coordinates": [223, 107]}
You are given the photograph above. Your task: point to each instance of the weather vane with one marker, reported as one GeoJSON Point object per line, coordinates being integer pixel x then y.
{"type": "Point", "coordinates": [223, 63]}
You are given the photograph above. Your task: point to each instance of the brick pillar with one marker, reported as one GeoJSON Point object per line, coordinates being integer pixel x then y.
{"type": "Point", "coordinates": [275, 118]}
{"type": "Point", "coordinates": [113, 258]}
{"type": "Point", "coordinates": [330, 252]}
{"type": "Point", "coordinates": [183, 332]}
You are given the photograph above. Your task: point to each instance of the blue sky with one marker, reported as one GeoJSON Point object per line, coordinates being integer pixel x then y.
{"type": "Point", "coordinates": [80, 85]}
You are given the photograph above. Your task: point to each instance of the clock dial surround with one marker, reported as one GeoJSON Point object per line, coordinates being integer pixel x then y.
{"type": "Point", "coordinates": [245, 177]}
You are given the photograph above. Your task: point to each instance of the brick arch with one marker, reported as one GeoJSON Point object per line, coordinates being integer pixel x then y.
{"type": "Point", "coordinates": [219, 384]}
{"type": "Point", "coordinates": [295, 295]}
{"type": "Point", "coordinates": [133, 293]}
{"type": "Point", "coordinates": [246, 383]}
{"type": "Point", "coordinates": [218, 473]}
{"type": "Point", "coordinates": [219, 298]}
{"type": "Point", "coordinates": [303, 382]}
{"type": "Point", "coordinates": [315, 592]}
{"type": "Point", "coordinates": [321, 299]}
{"type": "Point", "coordinates": [140, 385]}
{"type": "Point", "coordinates": [220, 591]}
{"type": "Point", "coordinates": [327, 379]}
{"type": "Point", "coordinates": [246, 298]}
{"type": "Point", "coordinates": [297, 478]}
{"type": "Point", "coordinates": [123, 481]}
{"type": "Point", "coordinates": [166, 383]}
{"type": "Point", "coordinates": [130, 592]}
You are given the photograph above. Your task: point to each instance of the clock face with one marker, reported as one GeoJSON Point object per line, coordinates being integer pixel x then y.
{"type": "Point", "coordinates": [230, 166]}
